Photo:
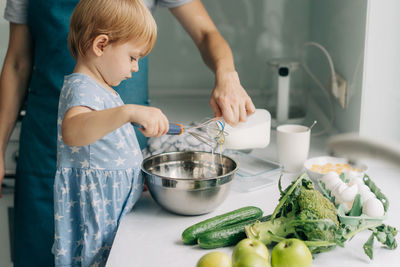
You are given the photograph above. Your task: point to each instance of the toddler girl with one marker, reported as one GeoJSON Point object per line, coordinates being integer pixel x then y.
{"type": "Point", "coordinates": [98, 176]}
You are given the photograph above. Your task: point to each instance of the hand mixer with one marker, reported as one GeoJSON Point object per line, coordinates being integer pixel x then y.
{"type": "Point", "coordinates": [214, 131]}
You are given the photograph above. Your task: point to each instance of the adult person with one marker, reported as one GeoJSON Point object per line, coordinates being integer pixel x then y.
{"type": "Point", "coordinates": [36, 61]}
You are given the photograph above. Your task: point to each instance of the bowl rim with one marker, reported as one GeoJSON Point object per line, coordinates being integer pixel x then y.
{"type": "Point", "coordinates": [188, 179]}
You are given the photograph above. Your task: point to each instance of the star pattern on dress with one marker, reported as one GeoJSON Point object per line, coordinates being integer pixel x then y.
{"type": "Point", "coordinates": [61, 252]}
{"type": "Point", "coordinates": [107, 201]}
{"type": "Point", "coordinates": [75, 149]}
{"type": "Point", "coordinates": [58, 217]}
{"type": "Point", "coordinates": [71, 204]}
{"type": "Point", "coordinates": [116, 185]}
{"type": "Point", "coordinates": [98, 99]}
{"type": "Point", "coordinates": [95, 202]}
{"type": "Point", "coordinates": [84, 187]}
{"type": "Point", "coordinates": [120, 144]}
{"type": "Point", "coordinates": [119, 161]}
{"type": "Point", "coordinates": [84, 164]}
{"type": "Point", "coordinates": [92, 186]}
{"type": "Point", "coordinates": [97, 236]}
{"type": "Point", "coordinates": [65, 190]}
{"type": "Point", "coordinates": [109, 222]}
{"type": "Point", "coordinates": [95, 251]}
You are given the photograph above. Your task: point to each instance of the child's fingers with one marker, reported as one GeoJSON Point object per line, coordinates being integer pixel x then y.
{"type": "Point", "coordinates": [166, 126]}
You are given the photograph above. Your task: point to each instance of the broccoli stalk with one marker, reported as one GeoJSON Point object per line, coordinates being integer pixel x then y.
{"type": "Point", "coordinates": [304, 213]}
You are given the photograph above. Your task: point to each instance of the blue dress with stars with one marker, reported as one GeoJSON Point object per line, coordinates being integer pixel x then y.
{"type": "Point", "coordinates": [95, 185]}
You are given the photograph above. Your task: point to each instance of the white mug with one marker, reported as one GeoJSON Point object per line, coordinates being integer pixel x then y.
{"type": "Point", "coordinates": [293, 143]}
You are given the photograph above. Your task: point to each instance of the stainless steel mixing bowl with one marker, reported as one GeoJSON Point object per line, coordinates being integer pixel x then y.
{"type": "Point", "coordinates": [189, 183]}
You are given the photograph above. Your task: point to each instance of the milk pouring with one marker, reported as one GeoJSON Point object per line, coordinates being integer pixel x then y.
{"type": "Point", "coordinates": [254, 133]}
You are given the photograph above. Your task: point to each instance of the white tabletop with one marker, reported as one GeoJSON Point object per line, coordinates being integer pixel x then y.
{"type": "Point", "coordinates": [150, 236]}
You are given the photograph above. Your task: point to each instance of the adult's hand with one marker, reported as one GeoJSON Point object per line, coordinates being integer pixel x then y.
{"type": "Point", "coordinates": [229, 99]}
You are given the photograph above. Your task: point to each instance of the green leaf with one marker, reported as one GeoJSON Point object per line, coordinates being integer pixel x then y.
{"type": "Point", "coordinates": [356, 209]}
{"type": "Point", "coordinates": [369, 247]}
{"type": "Point", "coordinates": [385, 234]}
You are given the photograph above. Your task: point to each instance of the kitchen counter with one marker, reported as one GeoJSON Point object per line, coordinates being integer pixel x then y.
{"type": "Point", "coordinates": [150, 236]}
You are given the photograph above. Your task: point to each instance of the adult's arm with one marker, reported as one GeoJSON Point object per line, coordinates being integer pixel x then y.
{"type": "Point", "coordinates": [14, 80]}
{"type": "Point", "coordinates": [228, 99]}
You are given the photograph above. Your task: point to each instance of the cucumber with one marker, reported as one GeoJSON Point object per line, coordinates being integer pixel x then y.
{"type": "Point", "coordinates": [190, 235]}
{"type": "Point", "coordinates": [226, 236]}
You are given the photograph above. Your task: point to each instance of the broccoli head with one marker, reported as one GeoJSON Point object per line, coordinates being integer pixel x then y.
{"type": "Point", "coordinates": [302, 213]}
{"type": "Point", "coordinates": [313, 204]}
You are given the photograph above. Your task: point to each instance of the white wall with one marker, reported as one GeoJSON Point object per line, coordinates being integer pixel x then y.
{"type": "Point", "coordinates": [339, 25]}
{"type": "Point", "coordinates": [380, 110]}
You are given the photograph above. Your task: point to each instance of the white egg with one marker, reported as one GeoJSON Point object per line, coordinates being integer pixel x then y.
{"type": "Point", "coordinates": [332, 183]}
{"type": "Point", "coordinates": [338, 200]}
{"type": "Point", "coordinates": [330, 176]}
{"type": "Point", "coordinates": [354, 174]}
{"type": "Point", "coordinates": [347, 206]}
{"type": "Point", "coordinates": [348, 194]}
{"type": "Point", "coordinates": [363, 188]}
{"type": "Point", "coordinates": [365, 196]}
{"type": "Point", "coordinates": [356, 180]}
{"type": "Point", "coordinates": [339, 189]}
{"type": "Point", "coordinates": [373, 208]}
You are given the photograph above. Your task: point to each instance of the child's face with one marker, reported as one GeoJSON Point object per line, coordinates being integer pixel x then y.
{"type": "Point", "coordinates": [119, 61]}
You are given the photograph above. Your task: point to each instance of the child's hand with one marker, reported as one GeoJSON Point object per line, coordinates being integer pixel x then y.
{"type": "Point", "coordinates": [154, 122]}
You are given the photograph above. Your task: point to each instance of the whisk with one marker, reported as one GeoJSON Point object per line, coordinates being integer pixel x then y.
{"type": "Point", "coordinates": [214, 131]}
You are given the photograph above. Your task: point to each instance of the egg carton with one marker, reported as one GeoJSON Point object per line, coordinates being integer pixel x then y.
{"type": "Point", "coordinates": [356, 220]}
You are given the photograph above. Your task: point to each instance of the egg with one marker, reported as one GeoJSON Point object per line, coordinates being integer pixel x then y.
{"type": "Point", "coordinates": [363, 188]}
{"type": "Point", "coordinates": [356, 180]}
{"type": "Point", "coordinates": [348, 194]}
{"type": "Point", "coordinates": [354, 174]}
{"type": "Point", "coordinates": [339, 189]}
{"type": "Point", "coordinates": [329, 176]}
{"type": "Point", "coordinates": [365, 192]}
{"type": "Point", "coordinates": [373, 208]}
{"type": "Point", "coordinates": [366, 196]}
{"type": "Point", "coordinates": [332, 183]}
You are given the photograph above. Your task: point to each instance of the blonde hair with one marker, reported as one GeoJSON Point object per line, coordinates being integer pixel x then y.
{"type": "Point", "coordinates": [120, 20]}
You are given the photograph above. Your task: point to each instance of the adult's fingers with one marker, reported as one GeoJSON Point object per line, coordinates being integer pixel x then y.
{"type": "Point", "coordinates": [249, 106]}
{"type": "Point", "coordinates": [214, 106]}
{"type": "Point", "coordinates": [229, 114]}
{"type": "Point", "coordinates": [242, 113]}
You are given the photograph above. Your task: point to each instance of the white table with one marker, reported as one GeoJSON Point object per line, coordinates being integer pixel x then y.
{"type": "Point", "coordinates": [150, 236]}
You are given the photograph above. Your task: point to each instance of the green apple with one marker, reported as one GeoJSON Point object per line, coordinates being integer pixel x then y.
{"type": "Point", "coordinates": [251, 260]}
{"type": "Point", "coordinates": [249, 246]}
{"type": "Point", "coordinates": [215, 259]}
{"type": "Point", "coordinates": [290, 253]}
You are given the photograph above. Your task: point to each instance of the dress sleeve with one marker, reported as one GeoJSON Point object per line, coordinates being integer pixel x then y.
{"type": "Point", "coordinates": [82, 93]}
{"type": "Point", "coordinates": [172, 3]}
{"type": "Point", "coordinates": [16, 11]}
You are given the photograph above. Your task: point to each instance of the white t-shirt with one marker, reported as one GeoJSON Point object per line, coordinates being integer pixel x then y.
{"type": "Point", "coordinates": [17, 10]}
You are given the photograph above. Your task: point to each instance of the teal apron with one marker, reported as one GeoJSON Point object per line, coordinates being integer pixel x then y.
{"type": "Point", "coordinates": [48, 21]}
